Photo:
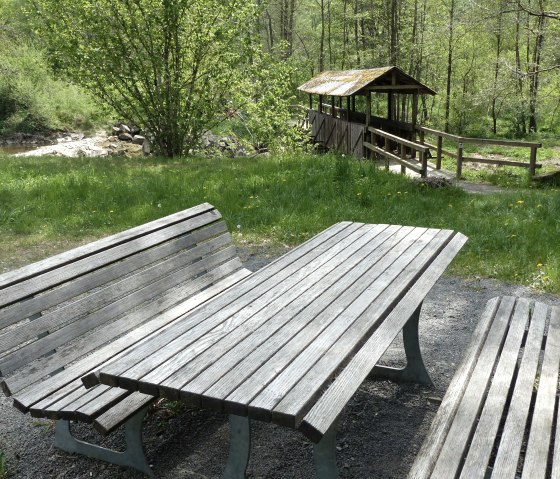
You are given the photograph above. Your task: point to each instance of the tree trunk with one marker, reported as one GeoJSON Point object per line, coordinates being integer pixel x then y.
{"type": "Point", "coordinates": [322, 41]}
{"type": "Point", "coordinates": [449, 65]}
{"type": "Point", "coordinates": [499, 25]}
{"type": "Point", "coordinates": [520, 122]}
{"type": "Point", "coordinates": [357, 32]}
{"type": "Point", "coordinates": [535, 69]}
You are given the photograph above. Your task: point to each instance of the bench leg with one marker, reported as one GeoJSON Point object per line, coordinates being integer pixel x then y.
{"type": "Point", "coordinates": [415, 370]}
{"type": "Point", "coordinates": [324, 455]}
{"type": "Point", "coordinates": [133, 456]}
{"type": "Point", "coordinates": [239, 447]}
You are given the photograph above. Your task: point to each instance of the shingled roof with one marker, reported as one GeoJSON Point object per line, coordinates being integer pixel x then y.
{"type": "Point", "coordinates": [353, 82]}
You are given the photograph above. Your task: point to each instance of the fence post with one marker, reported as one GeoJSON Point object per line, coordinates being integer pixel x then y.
{"type": "Point", "coordinates": [459, 160]}
{"type": "Point", "coordinates": [403, 156]}
{"type": "Point", "coordinates": [533, 161]}
{"type": "Point", "coordinates": [387, 148]}
{"type": "Point", "coordinates": [424, 157]}
{"type": "Point", "coordinates": [438, 157]}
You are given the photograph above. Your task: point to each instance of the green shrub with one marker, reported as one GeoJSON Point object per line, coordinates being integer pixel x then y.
{"type": "Point", "coordinates": [32, 100]}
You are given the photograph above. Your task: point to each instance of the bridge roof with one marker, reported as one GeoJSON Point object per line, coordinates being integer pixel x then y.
{"type": "Point", "coordinates": [358, 82]}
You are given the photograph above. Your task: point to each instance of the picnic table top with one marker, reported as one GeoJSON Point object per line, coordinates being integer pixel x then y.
{"type": "Point", "coordinates": [270, 346]}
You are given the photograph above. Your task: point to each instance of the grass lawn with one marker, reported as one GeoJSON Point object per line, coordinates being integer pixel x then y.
{"type": "Point", "coordinates": [48, 204]}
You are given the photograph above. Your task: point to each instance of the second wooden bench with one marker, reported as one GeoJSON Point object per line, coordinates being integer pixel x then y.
{"type": "Point", "coordinates": [499, 417]}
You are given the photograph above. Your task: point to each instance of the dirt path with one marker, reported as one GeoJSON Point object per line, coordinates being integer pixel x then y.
{"type": "Point", "coordinates": [379, 432]}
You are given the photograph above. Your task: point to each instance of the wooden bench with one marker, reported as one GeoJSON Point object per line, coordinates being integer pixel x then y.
{"type": "Point", "coordinates": [499, 415]}
{"type": "Point", "coordinates": [99, 300]}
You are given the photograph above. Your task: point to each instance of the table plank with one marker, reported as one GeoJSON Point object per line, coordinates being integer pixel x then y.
{"type": "Point", "coordinates": [144, 359]}
{"type": "Point", "coordinates": [267, 317]}
{"type": "Point", "coordinates": [307, 388]}
{"type": "Point", "coordinates": [318, 420]}
{"type": "Point", "coordinates": [276, 377]}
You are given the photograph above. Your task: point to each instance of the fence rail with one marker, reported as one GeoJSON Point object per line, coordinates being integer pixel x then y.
{"type": "Point", "coordinates": [532, 164]}
{"type": "Point", "coordinates": [402, 144]}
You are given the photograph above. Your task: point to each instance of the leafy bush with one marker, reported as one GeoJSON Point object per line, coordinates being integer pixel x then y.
{"type": "Point", "coordinates": [33, 101]}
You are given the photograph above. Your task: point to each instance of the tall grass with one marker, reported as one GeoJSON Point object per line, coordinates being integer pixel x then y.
{"type": "Point", "coordinates": [280, 199]}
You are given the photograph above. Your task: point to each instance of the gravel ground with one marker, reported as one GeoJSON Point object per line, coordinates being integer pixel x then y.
{"type": "Point", "coordinates": [379, 432]}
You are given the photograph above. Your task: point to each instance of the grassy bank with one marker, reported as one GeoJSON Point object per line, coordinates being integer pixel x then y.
{"type": "Point", "coordinates": [279, 199]}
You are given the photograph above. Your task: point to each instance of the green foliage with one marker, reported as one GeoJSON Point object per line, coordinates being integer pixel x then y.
{"type": "Point", "coordinates": [266, 97]}
{"type": "Point", "coordinates": [283, 199]}
{"type": "Point", "coordinates": [168, 66]}
{"type": "Point", "coordinates": [32, 100]}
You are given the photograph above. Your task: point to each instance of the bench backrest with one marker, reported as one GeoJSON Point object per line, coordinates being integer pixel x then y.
{"type": "Point", "coordinates": [86, 292]}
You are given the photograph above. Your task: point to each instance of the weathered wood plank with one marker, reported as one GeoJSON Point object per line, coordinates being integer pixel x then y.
{"type": "Point", "coordinates": [264, 317]}
{"type": "Point", "coordinates": [400, 140]}
{"type": "Point", "coordinates": [75, 311]}
{"type": "Point", "coordinates": [76, 254]}
{"type": "Point", "coordinates": [97, 260]}
{"type": "Point", "coordinates": [301, 398]}
{"type": "Point", "coordinates": [320, 289]}
{"type": "Point", "coordinates": [452, 451]}
{"type": "Point", "coordinates": [346, 317]}
{"type": "Point", "coordinates": [325, 411]}
{"type": "Point", "coordinates": [538, 445]}
{"type": "Point", "coordinates": [391, 156]}
{"type": "Point", "coordinates": [121, 412]}
{"type": "Point", "coordinates": [304, 253]}
{"type": "Point", "coordinates": [110, 310]}
{"type": "Point", "coordinates": [188, 292]}
{"type": "Point", "coordinates": [468, 159]}
{"type": "Point", "coordinates": [484, 437]}
{"type": "Point", "coordinates": [142, 361]}
{"type": "Point", "coordinates": [114, 350]}
{"type": "Point", "coordinates": [506, 461]}
{"type": "Point", "coordinates": [100, 277]}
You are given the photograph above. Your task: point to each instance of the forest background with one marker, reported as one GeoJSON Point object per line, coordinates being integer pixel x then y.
{"type": "Point", "coordinates": [495, 64]}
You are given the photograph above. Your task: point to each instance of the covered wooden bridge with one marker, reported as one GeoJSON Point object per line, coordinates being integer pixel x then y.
{"type": "Point", "coordinates": [339, 124]}
{"type": "Point", "coordinates": [343, 120]}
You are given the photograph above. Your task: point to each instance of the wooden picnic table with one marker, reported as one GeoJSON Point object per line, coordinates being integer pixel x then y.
{"type": "Point", "coordinates": [292, 343]}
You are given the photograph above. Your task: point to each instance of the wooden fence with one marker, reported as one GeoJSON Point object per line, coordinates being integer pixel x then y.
{"type": "Point", "coordinates": [461, 141]}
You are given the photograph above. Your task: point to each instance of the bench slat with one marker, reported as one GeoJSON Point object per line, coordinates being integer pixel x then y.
{"type": "Point", "coordinates": [427, 456]}
{"type": "Point", "coordinates": [536, 456]}
{"type": "Point", "coordinates": [197, 324]}
{"type": "Point", "coordinates": [66, 257]}
{"type": "Point", "coordinates": [505, 464]}
{"type": "Point", "coordinates": [452, 452]}
{"type": "Point", "coordinates": [325, 411]}
{"type": "Point", "coordinates": [112, 310]}
{"type": "Point", "coordinates": [113, 351]}
{"type": "Point", "coordinates": [300, 382]}
{"type": "Point", "coordinates": [41, 302]}
{"type": "Point", "coordinates": [267, 315]}
{"type": "Point", "coordinates": [282, 322]}
{"type": "Point", "coordinates": [115, 293]}
{"type": "Point", "coordinates": [68, 271]}
{"type": "Point", "coordinates": [121, 412]}
{"type": "Point", "coordinates": [480, 448]}
{"type": "Point", "coordinates": [66, 354]}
